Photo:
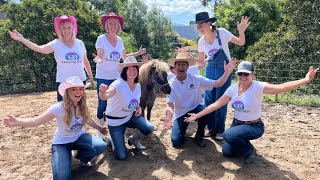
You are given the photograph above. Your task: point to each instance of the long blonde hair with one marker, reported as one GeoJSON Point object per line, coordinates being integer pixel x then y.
{"type": "Point", "coordinates": [60, 37]}
{"type": "Point", "coordinates": [68, 108]}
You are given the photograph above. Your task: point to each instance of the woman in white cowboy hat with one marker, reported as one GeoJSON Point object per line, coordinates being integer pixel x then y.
{"type": "Point", "coordinates": [71, 115]}
{"type": "Point", "coordinates": [124, 110]}
{"type": "Point", "coordinates": [246, 98]}
{"type": "Point", "coordinates": [69, 52]}
{"type": "Point", "coordinates": [110, 49]}
{"type": "Point", "coordinates": [213, 45]}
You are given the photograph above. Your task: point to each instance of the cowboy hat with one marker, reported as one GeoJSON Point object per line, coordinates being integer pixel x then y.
{"type": "Point", "coordinates": [70, 82]}
{"type": "Point", "coordinates": [72, 19]}
{"type": "Point", "coordinates": [181, 57]}
{"type": "Point", "coordinates": [201, 18]}
{"type": "Point", "coordinates": [112, 15]}
{"type": "Point", "coordinates": [129, 61]}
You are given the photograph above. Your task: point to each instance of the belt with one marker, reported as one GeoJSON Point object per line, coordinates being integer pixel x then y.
{"type": "Point", "coordinates": [112, 117]}
{"type": "Point", "coordinates": [247, 122]}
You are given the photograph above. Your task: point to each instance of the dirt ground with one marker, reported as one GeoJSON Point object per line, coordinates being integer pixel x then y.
{"type": "Point", "coordinates": [289, 149]}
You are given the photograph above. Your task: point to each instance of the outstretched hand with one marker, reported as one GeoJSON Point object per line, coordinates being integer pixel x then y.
{"type": "Point", "coordinates": [103, 87]}
{"type": "Point", "coordinates": [10, 121]}
{"type": "Point", "coordinates": [191, 118]}
{"type": "Point", "coordinates": [311, 73]}
{"type": "Point", "coordinates": [15, 35]}
{"type": "Point", "coordinates": [103, 130]}
{"type": "Point", "coordinates": [243, 25]}
{"type": "Point", "coordinates": [167, 123]}
{"type": "Point", "coordinates": [97, 59]}
{"type": "Point", "coordinates": [228, 68]}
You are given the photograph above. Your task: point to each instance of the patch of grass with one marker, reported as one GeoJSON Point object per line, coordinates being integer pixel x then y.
{"type": "Point", "coordinates": [301, 100]}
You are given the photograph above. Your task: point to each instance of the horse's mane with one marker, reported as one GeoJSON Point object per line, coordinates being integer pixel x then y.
{"type": "Point", "coordinates": [145, 69]}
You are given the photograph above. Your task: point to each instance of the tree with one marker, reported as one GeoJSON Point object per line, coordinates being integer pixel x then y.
{"type": "Point", "coordinates": [160, 34]}
{"type": "Point", "coordinates": [106, 6]}
{"type": "Point", "coordinates": [34, 19]}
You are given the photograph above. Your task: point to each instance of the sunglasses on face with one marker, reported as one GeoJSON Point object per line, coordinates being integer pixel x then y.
{"type": "Point", "coordinates": [242, 74]}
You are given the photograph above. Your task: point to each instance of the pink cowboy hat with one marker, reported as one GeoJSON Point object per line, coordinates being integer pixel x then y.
{"type": "Point", "coordinates": [111, 15]}
{"type": "Point", "coordinates": [57, 21]}
{"type": "Point", "coordinates": [70, 82]}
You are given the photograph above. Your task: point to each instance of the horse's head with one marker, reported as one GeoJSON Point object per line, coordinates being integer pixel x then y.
{"type": "Point", "coordinates": [160, 79]}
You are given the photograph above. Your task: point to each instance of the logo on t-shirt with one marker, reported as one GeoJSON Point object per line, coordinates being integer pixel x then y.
{"type": "Point", "coordinates": [238, 105]}
{"type": "Point", "coordinates": [76, 125]}
{"type": "Point", "coordinates": [133, 104]}
{"type": "Point", "coordinates": [72, 56]}
{"type": "Point", "coordinates": [114, 56]}
{"type": "Point", "coordinates": [212, 52]}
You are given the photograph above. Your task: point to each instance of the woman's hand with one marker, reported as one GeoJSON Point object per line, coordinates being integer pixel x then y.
{"type": "Point", "coordinates": [103, 130]}
{"type": "Point", "coordinates": [10, 121]}
{"type": "Point", "coordinates": [167, 123]}
{"type": "Point", "coordinates": [97, 59]}
{"type": "Point", "coordinates": [138, 111]}
{"type": "Point", "coordinates": [243, 25]}
{"type": "Point", "coordinates": [16, 35]}
{"type": "Point", "coordinates": [311, 74]}
{"type": "Point", "coordinates": [231, 65]}
{"type": "Point", "coordinates": [142, 51]}
{"type": "Point", "coordinates": [103, 88]}
{"type": "Point", "coordinates": [191, 118]}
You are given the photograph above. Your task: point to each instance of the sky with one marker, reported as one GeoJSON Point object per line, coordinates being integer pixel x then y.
{"type": "Point", "coordinates": [179, 11]}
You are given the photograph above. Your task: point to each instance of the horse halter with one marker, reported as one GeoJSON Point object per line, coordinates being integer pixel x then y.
{"type": "Point", "coordinates": [157, 83]}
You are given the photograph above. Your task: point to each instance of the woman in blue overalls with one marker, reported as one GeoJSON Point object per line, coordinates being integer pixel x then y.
{"type": "Point", "coordinates": [214, 45]}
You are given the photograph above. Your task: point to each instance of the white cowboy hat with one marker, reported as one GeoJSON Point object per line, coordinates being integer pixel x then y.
{"type": "Point", "coordinates": [70, 82]}
{"type": "Point", "coordinates": [181, 57]}
{"type": "Point", "coordinates": [129, 61]}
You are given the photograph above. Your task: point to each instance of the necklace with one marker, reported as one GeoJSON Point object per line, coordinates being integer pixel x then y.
{"type": "Point", "coordinates": [75, 112]}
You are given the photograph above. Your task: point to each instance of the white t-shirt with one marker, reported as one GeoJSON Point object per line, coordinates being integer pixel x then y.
{"type": "Point", "coordinates": [69, 60]}
{"type": "Point", "coordinates": [123, 103]}
{"type": "Point", "coordinates": [65, 134]}
{"type": "Point", "coordinates": [247, 106]}
{"type": "Point", "coordinates": [194, 70]}
{"type": "Point", "coordinates": [186, 95]}
{"type": "Point", "coordinates": [211, 49]}
{"type": "Point", "coordinates": [108, 68]}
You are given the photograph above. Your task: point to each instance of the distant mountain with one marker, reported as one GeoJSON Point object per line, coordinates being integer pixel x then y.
{"type": "Point", "coordinates": [186, 31]}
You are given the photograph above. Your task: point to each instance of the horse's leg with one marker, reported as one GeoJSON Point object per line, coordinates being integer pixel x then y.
{"type": "Point", "coordinates": [149, 108]}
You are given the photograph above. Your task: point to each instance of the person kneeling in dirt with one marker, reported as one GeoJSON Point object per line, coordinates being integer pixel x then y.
{"type": "Point", "coordinates": [72, 114]}
{"type": "Point", "coordinates": [246, 99]}
{"type": "Point", "coordinates": [185, 97]}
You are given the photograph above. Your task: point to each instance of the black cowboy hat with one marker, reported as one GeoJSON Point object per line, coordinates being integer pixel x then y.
{"type": "Point", "coordinates": [201, 18]}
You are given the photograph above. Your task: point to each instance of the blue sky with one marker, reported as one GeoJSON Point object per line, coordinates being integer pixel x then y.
{"type": "Point", "coordinates": [179, 11]}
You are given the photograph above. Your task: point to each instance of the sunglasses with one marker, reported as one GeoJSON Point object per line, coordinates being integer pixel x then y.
{"type": "Point", "coordinates": [242, 74]}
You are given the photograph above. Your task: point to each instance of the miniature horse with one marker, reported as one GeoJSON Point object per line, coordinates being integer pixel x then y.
{"type": "Point", "coordinates": [152, 74]}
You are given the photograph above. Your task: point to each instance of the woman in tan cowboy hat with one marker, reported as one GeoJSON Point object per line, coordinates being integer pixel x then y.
{"type": "Point", "coordinates": [124, 110]}
{"type": "Point", "coordinates": [69, 52]}
{"type": "Point", "coordinates": [246, 98]}
{"type": "Point", "coordinates": [214, 45]}
{"type": "Point", "coordinates": [110, 49]}
{"type": "Point", "coordinates": [71, 115]}
{"type": "Point", "coordinates": [185, 97]}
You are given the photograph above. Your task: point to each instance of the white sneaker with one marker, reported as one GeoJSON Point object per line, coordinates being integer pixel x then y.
{"type": "Point", "coordinates": [219, 136]}
{"type": "Point", "coordinates": [136, 143]}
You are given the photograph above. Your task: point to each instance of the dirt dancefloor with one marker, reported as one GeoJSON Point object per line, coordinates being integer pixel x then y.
{"type": "Point", "coordinates": [289, 149]}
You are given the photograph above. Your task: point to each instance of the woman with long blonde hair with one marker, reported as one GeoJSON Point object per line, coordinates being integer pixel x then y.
{"type": "Point", "coordinates": [71, 115]}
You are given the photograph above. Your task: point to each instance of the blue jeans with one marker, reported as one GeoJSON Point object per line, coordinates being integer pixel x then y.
{"type": "Point", "coordinates": [215, 70]}
{"type": "Point", "coordinates": [180, 127]}
{"type": "Point", "coordinates": [117, 134]}
{"type": "Point", "coordinates": [102, 104]}
{"type": "Point", "coordinates": [87, 145]}
{"type": "Point", "coordinates": [59, 97]}
{"type": "Point", "coordinates": [237, 138]}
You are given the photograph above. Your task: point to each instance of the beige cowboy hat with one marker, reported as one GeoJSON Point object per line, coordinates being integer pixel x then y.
{"type": "Point", "coordinates": [70, 82]}
{"type": "Point", "coordinates": [181, 57]}
{"type": "Point", "coordinates": [129, 61]}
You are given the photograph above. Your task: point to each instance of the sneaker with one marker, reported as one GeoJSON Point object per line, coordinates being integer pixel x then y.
{"type": "Point", "coordinates": [208, 133]}
{"type": "Point", "coordinates": [135, 142]}
{"type": "Point", "coordinates": [250, 158]}
{"type": "Point", "coordinates": [219, 136]}
{"type": "Point", "coordinates": [86, 165]}
{"type": "Point", "coordinates": [200, 141]}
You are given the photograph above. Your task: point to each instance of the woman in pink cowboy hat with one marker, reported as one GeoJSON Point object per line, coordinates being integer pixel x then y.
{"type": "Point", "coordinates": [124, 110]}
{"type": "Point", "coordinates": [71, 115]}
{"type": "Point", "coordinates": [69, 52]}
{"type": "Point", "coordinates": [110, 49]}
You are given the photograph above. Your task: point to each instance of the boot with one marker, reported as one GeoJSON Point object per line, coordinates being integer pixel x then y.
{"type": "Point", "coordinates": [102, 123]}
{"type": "Point", "coordinates": [133, 140]}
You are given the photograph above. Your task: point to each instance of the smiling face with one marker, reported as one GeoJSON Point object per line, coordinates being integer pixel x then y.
{"type": "Point", "coordinates": [75, 94]}
{"type": "Point", "coordinates": [132, 72]}
{"type": "Point", "coordinates": [204, 27]}
{"type": "Point", "coordinates": [112, 26]}
{"type": "Point", "coordinates": [66, 29]}
{"type": "Point", "coordinates": [181, 68]}
{"type": "Point", "coordinates": [245, 78]}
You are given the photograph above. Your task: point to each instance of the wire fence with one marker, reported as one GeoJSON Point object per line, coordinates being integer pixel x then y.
{"type": "Point", "coordinates": [24, 78]}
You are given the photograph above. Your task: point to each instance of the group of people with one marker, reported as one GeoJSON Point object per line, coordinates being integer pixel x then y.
{"type": "Point", "coordinates": [118, 82]}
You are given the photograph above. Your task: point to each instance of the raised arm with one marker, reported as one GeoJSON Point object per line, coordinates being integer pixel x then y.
{"type": "Point", "coordinates": [288, 86]}
{"type": "Point", "coordinates": [106, 92]}
{"type": "Point", "coordinates": [12, 121]}
{"type": "Point", "coordinates": [140, 52]}
{"type": "Point", "coordinates": [242, 26]}
{"type": "Point", "coordinates": [223, 100]}
{"type": "Point", "coordinates": [44, 49]}
{"type": "Point", "coordinates": [167, 121]}
{"type": "Point", "coordinates": [228, 68]}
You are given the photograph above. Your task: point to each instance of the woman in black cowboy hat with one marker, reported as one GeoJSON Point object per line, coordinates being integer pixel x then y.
{"type": "Point", "coordinates": [214, 45]}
